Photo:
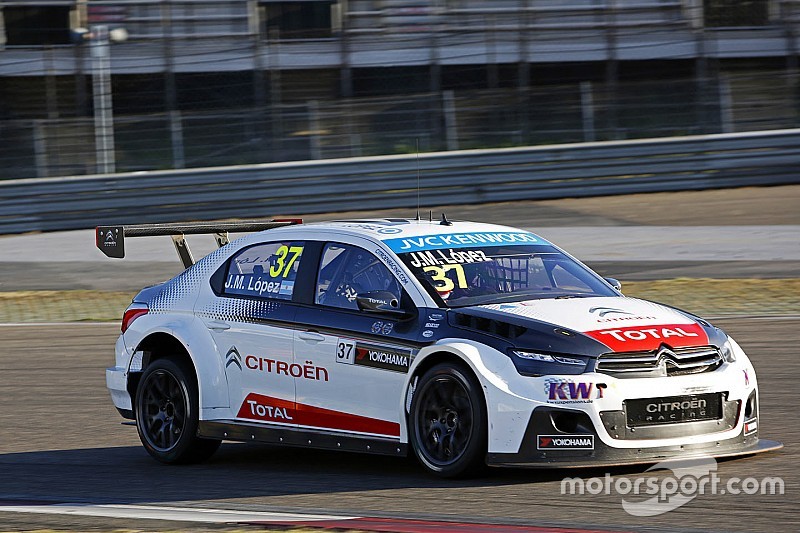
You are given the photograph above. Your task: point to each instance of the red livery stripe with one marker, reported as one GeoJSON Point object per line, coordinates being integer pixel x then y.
{"type": "Point", "coordinates": [269, 409]}
{"type": "Point", "coordinates": [644, 338]}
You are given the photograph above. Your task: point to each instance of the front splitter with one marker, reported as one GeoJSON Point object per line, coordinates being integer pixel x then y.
{"type": "Point", "coordinates": [641, 456]}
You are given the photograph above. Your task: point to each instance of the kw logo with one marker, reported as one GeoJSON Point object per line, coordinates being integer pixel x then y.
{"type": "Point", "coordinates": [603, 311]}
{"type": "Point", "coordinates": [233, 358]}
{"type": "Point", "coordinates": [569, 392]}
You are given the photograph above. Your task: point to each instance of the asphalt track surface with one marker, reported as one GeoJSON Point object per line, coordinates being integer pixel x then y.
{"type": "Point", "coordinates": [62, 441]}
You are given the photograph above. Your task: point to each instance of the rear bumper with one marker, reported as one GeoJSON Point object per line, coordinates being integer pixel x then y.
{"type": "Point", "coordinates": [545, 446]}
{"type": "Point", "coordinates": [117, 383]}
{"type": "Point", "coordinates": [117, 380]}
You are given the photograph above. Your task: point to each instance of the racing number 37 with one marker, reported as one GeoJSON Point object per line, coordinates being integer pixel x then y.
{"type": "Point", "coordinates": [443, 282]}
{"type": "Point", "coordinates": [344, 351]}
{"type": "Point", "coordinates": [281, 267]}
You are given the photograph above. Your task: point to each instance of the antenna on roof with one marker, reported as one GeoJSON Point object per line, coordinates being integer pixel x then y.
{"type": "Point", "coordinates": [444, 221]}
{"type": "Point", "coordinates": [417, 179]}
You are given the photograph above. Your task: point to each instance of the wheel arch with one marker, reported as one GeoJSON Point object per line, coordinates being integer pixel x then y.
{"type": "Point", "coordinates": [200, 355]}
{"type": "Point", "coordinates": [427, 359]}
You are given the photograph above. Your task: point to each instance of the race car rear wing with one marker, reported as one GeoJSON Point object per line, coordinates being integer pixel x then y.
{"type": "Point", "coordinates": [111, 239]}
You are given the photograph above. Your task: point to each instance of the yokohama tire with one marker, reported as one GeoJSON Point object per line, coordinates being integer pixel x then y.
{"type": "Point", "coordinates": [447, 423]}
{"type": "Point", "coordinates": [167, 414]}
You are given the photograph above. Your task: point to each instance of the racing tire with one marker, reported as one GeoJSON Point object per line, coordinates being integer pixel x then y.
{"type": "Point", "coordinates": [167, 414]}
{"type": "Point", "coordinates": [447, 422]}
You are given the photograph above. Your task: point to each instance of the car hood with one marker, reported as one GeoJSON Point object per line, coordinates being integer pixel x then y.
{"type": "Point", "coordinates": [618, 324]}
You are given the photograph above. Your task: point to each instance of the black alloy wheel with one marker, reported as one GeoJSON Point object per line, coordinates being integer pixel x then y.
{"type": "Point", "coordinates": [167, 414]}
{"type": "Point", "coordinates": [448, 421]}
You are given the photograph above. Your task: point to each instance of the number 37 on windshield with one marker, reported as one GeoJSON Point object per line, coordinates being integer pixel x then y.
{"type": "Point", "coordinates": [442, 281]}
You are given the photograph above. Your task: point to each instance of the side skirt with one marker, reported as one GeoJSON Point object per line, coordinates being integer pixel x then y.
{"type": "Point", "coordinates": [302, 438]}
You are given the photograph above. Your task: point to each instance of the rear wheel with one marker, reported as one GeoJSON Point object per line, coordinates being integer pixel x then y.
{"type": "Point", "coordinates": [167, 414]}
{"type": "Point", "coordinates": [447, 423]}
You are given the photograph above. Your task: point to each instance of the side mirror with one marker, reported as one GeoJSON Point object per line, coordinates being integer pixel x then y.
{"type": "Point", "coordinates": [614, 283]}
{"type": "Point", "coordinates": [382, 302]}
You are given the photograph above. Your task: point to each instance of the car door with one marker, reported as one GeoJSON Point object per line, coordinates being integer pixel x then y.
{"type": "Point", "coordinates": [364, 356]}
{"type": "Point", "coordinates": [250, 319]}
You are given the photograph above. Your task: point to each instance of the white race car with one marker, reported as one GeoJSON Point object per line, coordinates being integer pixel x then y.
{"type": "Point", "coordinates": [468, 343]}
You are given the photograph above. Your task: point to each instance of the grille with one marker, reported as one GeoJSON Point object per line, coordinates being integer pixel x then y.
{"type": "Point", "coordinates": [659, 363]}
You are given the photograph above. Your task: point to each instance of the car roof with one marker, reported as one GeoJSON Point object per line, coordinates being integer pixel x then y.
{"type": "Point", "coordinates": [398, 232]}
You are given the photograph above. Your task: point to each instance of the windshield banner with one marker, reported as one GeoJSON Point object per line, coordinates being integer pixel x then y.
{"type": "Point", "coordinates": [461, 240]}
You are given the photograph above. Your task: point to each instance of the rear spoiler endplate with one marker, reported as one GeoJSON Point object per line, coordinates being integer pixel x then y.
{"type": "Point", "coordinates": [111, 239]}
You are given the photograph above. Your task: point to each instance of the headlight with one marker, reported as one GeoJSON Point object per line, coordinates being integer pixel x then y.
{"type": "Point", "coordinates": [542, 364]}
{"type": "Point", "coordinates": [545, 358]}
{"type": "Point", "coordinates": [727, 352]}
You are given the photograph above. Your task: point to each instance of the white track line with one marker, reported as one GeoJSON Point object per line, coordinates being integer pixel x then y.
{"type": "Point", "coordinates": [178, 514]}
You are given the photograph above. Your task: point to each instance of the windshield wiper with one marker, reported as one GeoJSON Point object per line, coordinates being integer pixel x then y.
{"type": "Point", "coordinates": [489, 299]}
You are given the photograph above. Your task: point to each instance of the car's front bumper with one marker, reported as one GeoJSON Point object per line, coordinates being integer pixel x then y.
{"type": "Point", "coordinates": [584, 448]}
{"type": "Point", "coordinates": [596, 419]}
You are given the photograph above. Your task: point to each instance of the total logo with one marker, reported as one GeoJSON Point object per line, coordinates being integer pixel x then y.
{"type": "Point", "coordinates": [262, 408]}
{"type": "Point", "coordinates": [565, 442]}
{"type": "Point", "coordinates": [268, 412]}
{"type": "Point", "coordinates": [644, 333]}
{"type": "Point", "coordinates": [651, 337]}
{"type": "Point", "coordinates": [560, 391]}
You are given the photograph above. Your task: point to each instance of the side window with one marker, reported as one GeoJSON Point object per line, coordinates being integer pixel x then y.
{"type": "Point", "coordinates": [264, 270]}
{"type": "Point", "coordinates": [345, 271]}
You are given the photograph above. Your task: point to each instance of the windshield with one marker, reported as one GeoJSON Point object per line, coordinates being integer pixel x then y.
{"type": "Point", "coordinates": [493, 274]}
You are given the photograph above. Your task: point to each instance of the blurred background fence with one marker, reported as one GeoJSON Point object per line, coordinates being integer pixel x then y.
{"type": "Point", "coordinates": [456, 177]}
{"type": "Point", "coordinates": [447, 120]}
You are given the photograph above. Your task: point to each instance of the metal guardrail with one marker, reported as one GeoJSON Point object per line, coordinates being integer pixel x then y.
{"type": "Point", "coordinates": [460, 177]}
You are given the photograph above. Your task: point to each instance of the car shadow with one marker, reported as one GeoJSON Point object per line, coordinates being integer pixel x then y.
{"type": "Point", "coordinates": [128, 475]}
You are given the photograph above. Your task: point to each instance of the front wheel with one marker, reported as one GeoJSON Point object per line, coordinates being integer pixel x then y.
{"type": "Point", "coordinates": [447, 423]}
{"type": "Point", "coordinates": [167, 414]}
